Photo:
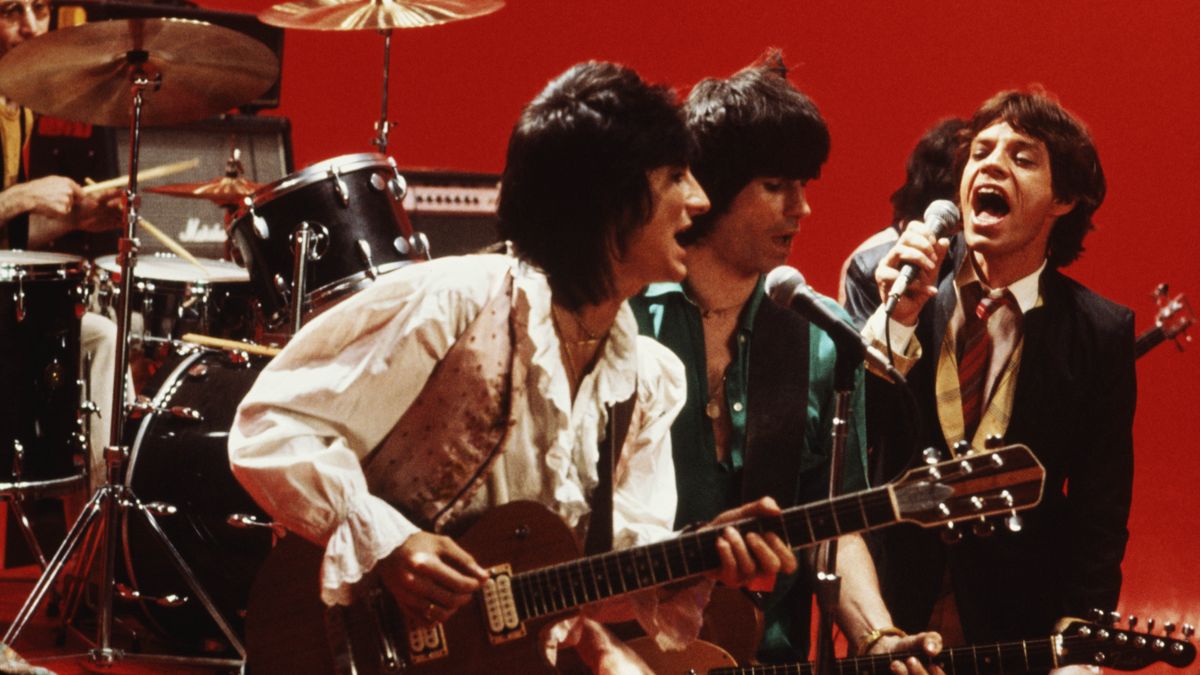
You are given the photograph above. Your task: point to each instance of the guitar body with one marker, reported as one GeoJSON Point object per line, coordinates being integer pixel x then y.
{"type": "Point", "coordinates": [289, 630]}
{"type": "Point", "coordinates": [698, 657]}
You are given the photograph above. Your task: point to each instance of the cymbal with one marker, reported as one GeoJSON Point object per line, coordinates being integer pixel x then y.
{"type": "Point", "coordinates": [223, 191]}
{"type": "Point", "coordinates": [373, 14]}
{"type": "Point", "coordinates": [82, 73]}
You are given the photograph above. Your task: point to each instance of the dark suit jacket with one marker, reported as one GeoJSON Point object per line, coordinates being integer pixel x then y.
{"type": "Point", "coordinates": [1073, 406]}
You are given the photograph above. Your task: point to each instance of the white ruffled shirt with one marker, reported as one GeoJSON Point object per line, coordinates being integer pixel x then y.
{"type": "Point", "coordinates": [343, 382]}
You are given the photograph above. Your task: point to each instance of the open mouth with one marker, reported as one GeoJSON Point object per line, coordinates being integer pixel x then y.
{"type": "Point", "coordinates": [991, 203]}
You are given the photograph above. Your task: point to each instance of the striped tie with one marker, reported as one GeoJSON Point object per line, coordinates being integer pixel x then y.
{"type": "Point", "coordinates": [975, 351]}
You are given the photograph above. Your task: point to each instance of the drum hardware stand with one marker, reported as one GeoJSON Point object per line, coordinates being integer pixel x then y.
{"type": "Point", "coordinates": [306, 242]}
{"type": "Point", "coordinates": [101, 516]}
{"type": "Point", "coordinates": [382, 127]}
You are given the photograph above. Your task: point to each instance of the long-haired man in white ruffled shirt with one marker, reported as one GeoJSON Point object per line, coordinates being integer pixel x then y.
{"type": "Point", "coordinates": [595, 190]}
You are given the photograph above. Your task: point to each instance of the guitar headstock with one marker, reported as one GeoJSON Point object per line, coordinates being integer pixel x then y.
{"type": "Point", "coordinates": [1103, 643]}
{"type": "Point", "coordinates": [1174, 316]}
{"type": "Point", "coordinates": [971, 486]}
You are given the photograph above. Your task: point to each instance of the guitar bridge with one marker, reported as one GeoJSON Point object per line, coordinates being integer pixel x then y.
{"type": "Point", "coordinates": [500, 608]}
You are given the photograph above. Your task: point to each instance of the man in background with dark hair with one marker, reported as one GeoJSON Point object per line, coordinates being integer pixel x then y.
{"type": "Point", "coordinates": [930, 173]}
{"type": "Point", "coordinates": [999, 343]}
{"type": "Point", "coordinates": [758, 415]}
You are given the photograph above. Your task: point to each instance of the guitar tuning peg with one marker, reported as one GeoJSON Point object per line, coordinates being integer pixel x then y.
{"type": "Point", "coordinates": [931, 455]}
{"type": "Point", "coordinates": [993, 441]}
{"type": "Point", "coordinates": [1188, 630]}
{"type": "Point", "coordinates": [1096, 615]}
{"type": "Point", "coordinates": [1114, 618]}
{"type": "Point", "coordinates": [1132, 620]}
{"type": "Point", "coordinates": [1150, 625]}
{"type": "Point", "coordinates": [1168, 628]}
{"type": "Point", "coordinates": [983, 528]}
{"type": "Point", "coordinates": [951, 535]}
{"type": "Point", "coordinates": [1160, 291]}
{"type": "Point", "coordinates": [962, 447]}
{"type": "Point", "coordinates": [1014, 522]}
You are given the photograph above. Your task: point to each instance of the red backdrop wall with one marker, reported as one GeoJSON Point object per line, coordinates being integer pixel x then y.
{"type": "Point", "coordinates": [881, 73]}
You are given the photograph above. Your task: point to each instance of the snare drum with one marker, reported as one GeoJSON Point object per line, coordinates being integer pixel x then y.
{"type": "Point", "coordinates": [173, 297]}
{"type": "Point", "coordinates": [352, 205]}
{"type": "Point", "coordinates": [42, 298]}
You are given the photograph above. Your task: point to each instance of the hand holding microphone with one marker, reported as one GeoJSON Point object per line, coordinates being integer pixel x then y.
{"type": "Point", "coordinates": [917, 252]}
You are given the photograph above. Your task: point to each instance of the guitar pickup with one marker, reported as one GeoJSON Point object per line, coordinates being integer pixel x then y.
{"type": "Point", "coordinates": [500, 607]}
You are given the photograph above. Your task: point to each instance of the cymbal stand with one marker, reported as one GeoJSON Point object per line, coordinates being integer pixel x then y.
{"type": "Point", "coordinates": [112, 501]}
{"type": "Point", "coordinates": [382, 127]}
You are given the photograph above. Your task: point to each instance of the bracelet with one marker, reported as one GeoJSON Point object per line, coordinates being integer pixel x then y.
{"type": "Point", "coordinates": [868, 639]}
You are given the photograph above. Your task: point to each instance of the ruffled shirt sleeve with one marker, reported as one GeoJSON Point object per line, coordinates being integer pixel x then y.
{"type": "Point", "coordinates": [332, 396]}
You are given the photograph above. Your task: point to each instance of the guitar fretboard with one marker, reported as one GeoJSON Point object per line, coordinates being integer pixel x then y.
{"type": "Point", "coordinates": [560, 587]}
{"type": "Point", "coordinates": [1005, 657]}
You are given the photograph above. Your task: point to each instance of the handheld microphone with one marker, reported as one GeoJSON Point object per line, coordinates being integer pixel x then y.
{"type": "Point", "coordinates": [785, 286]}
{"type": "Point", "coordinates": [943, 219]}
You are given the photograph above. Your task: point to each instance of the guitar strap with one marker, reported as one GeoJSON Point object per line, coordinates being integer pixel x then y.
{"type": "Point", "coordinates": [600, 527]}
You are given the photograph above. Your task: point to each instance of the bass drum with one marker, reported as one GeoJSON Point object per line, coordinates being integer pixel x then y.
{"type": "Point", "coordinates": [179, 461]}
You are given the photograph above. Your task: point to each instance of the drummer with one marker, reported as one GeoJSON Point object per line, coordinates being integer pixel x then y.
{"type": "Point", "coordinates": [35, 212]}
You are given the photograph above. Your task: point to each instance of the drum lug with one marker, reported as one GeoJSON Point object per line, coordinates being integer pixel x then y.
{"type": "Point", "coordinates": [143, 405]}
{"type": "Point", "coordinates": [420, 245]}
{"type": "Point", "coordinates": [18, 463]}
{"type": "Point", "coordinates": [90, 408]}
{"type": "Point", "coordinates": [364, 251]}
{"type": "Point", "coordinates": [247, 521]}
{"type": "Point", "coordinates": [160, 509]}
{"type": "Point", "coordinates": [339, 186]}
{"type": "Point", "coordinates": [19, 296]}
{"type": "Point", "coordinates": [168, 600]}
{"type": "Point", "coordinates": [397, 185]}
{"type": "Point", "coordinates": [260, 224]}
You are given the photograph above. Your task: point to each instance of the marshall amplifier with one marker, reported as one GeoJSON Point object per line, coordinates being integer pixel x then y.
{"type": "Point", "coordinates": [455, 209]}
{"type": "Point", "coordinates": [266, 154]}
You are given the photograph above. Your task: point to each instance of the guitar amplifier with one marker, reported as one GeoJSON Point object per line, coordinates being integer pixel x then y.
{"type": "Point", "coordinates": [455, 209]}
{"type": "Point", "coordinates": [266, 154]}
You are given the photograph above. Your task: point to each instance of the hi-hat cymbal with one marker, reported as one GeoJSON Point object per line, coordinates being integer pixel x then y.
{"type": "Point", "coordinates": [373, 14]}
{"type": "Point", "coordinates": [82, 73]}
{"type": "Point", "coordinates": [224, 191]}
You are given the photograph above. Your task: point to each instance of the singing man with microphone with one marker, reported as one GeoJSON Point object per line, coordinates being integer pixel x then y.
{"type": "Point", "coordinates": [1001, 343]}
{"type": "Point", "coordinates": [760, 377]}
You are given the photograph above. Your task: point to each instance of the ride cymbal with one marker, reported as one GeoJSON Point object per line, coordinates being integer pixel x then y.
{"type": "Point", "coordinates": [82, 73]}
{"type": "Point", "coordinates": [373, 14]}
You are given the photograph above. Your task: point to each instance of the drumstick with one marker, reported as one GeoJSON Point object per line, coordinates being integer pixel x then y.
{"type": "Point", "coordinates": [174, 246]}
{"type": "Point", "coordinates": [148, 174]}
{"type": "Point", "coordinates": [164, 238]}
{"type": "Point", "coordinates": [231, 345]}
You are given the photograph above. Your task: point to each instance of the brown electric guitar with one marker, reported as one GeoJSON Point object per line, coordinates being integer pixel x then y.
{"type": "Point", "coordinates": [537, 575]}
{"type": "Point", "coordinates": [1095, 643]}
{"type": "Point", "coordinates": [1173, 318]}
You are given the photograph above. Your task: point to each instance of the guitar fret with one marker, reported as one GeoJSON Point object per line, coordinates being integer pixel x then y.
{"type": "Point", "coordinates": [845, 511]}
{"type": "Point", "coordinates": [595, 579]}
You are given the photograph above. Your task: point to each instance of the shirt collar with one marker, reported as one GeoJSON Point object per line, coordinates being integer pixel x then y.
{"type": "Point", "coordinates": [1026, 289]}
{"type": "Point", "coordinates": [749, 310]}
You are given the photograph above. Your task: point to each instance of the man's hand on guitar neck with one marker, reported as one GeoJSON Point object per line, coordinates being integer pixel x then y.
{"type": "Point", "coordinates": [754, 560]}
{"type": "Point", "coordinates": [431, 576]}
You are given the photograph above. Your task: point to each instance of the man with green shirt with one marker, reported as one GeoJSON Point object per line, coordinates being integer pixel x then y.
{"type": "Point", "coordinates": [757, 420]}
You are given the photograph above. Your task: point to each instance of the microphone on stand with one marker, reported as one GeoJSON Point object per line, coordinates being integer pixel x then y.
{"type": "Point", "coordinates": [943, 219]}
{"type": "Point", "coordinates": [786, 286]}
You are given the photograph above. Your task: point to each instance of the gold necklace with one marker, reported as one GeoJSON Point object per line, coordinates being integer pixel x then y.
{"type": "Point", "coordinates": [589, 338]}
{"type": "Point", "coordinates": [713, 408]}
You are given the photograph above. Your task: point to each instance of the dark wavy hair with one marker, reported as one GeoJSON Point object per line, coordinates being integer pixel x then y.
{"type": "Point", "coordinates": [575, 186]}
{"type": "Point", "coordinates": [752, 124]}
{"type": "Point", "coordinates": [931, 172]}
{"type": "Point", "coordinates": [1075, 171]}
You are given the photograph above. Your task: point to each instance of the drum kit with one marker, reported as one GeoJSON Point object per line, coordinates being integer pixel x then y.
{"type": "Point", "coordinates": [169, 507]}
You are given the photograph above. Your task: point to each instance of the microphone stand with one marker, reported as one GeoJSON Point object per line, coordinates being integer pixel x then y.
{"type": "Point", "coordinates": [828, 583]}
